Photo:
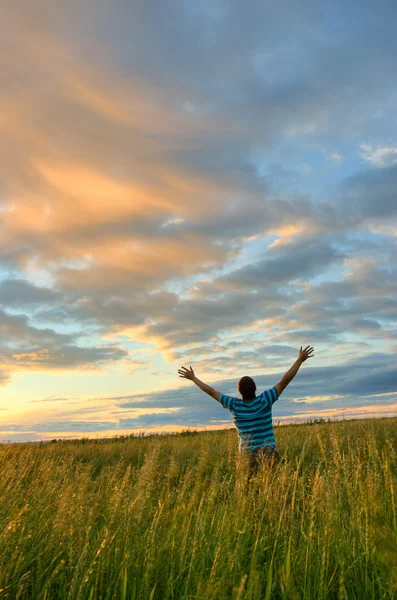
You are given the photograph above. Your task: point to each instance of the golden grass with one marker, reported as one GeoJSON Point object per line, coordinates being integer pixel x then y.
{"type": "Point", "coordinates": [165, 517]}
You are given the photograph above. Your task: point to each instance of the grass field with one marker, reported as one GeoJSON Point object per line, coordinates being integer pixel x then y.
{"type": "Point", "coordinates": [165, 517]}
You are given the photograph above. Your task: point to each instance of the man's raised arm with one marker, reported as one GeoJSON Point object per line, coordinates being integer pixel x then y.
{"type": "Point", "coordinates": [189, 374]}
{"type": "Point", "coordinates": [289, 375]}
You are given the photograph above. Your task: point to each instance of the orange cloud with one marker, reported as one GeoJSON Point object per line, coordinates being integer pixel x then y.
{"type": "Point", "coordinates": [32, 356]}
{"type": "Point", "coordinates": [286, 231]}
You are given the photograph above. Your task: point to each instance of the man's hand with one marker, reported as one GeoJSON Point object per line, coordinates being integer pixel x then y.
{"type": "Point", "coordinates": [186, 373]}
{"type": "Point", "coordinates": [208, 389]}
{"type": "Point", "coordinates": [306, 353]}
{"type": "Point", "coordinates": [288, 377]}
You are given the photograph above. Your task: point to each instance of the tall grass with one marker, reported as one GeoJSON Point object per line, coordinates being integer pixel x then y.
{"type": "Point", "coordinates": [166, 517]}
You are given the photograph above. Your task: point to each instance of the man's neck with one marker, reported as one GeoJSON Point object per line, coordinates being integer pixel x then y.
{"type": "Point", "coordinates": [250, 400]}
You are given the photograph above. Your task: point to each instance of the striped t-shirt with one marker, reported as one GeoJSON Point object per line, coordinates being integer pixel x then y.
{"type": "Point", "coordinates": [253, 420]}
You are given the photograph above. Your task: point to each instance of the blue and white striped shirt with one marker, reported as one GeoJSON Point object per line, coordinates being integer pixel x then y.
{"type": "Point", "coordinates": [253, 420]}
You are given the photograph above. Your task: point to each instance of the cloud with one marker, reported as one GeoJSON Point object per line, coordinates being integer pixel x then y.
{"type": "Point", "coordinates": [153, 187]}
{"type": "Point", "coordinates": [26, 348]}
{"type": "Point", "coordinates": [52, 399]}
{"type": "Point", "coordinates": [5, 379]}
{"type": "Point", "coordinates": [296, 260]}
{"type": "Point", "coordinates": [367, 196]}
{"type": "Point", "coordinates": [381, 156]}
{"type": "Point", "coordinates": [335, 157]}
{"type": "Point", "coordinates": [21, 293]}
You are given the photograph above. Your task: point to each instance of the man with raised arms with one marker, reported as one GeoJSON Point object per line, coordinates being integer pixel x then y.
{"type": "Point", "coordinates": [252, 414]}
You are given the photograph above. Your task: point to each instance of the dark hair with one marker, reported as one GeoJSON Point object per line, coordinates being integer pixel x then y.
{"type": "Point", "coordinates": [247, 387]}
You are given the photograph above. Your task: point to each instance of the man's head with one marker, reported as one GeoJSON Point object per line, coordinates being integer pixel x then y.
{"type": "Point", "coordinates": [247, 387]}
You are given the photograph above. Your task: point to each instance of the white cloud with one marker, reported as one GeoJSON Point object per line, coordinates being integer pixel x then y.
{"type": "Point", "coordinates": [336, 157]}
{"type": "Point", "coordinates": [333, 157]}
{"type": "Point", "coordinates": [175, 221]}
{"type": "Point", "coordinates": [381, 156]}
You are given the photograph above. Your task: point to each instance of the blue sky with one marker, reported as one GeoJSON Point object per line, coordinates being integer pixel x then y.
{"type": "Point", "coordinates": [203, 184]}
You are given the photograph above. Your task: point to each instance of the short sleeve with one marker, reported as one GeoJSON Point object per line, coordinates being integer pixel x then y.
{"type": "Point", "coordinates": [270, 396]}
{"type": "Point", "coordinates": [227, 402]}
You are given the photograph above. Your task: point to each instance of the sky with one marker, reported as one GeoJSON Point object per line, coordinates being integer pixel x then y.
{"type": "Point", "coordinates": [209, 184]}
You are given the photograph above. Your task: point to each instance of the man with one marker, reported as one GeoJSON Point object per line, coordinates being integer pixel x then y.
{"type": "Point", "coordinates": [252, 415]}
